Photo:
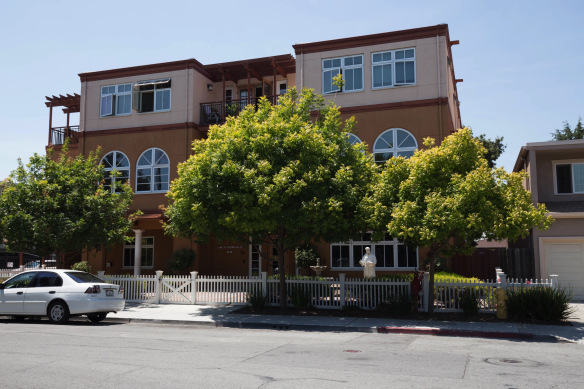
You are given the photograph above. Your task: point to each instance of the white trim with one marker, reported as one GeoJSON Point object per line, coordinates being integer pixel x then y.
{"type": "Point", "coordinates": [154, 91]}
{"type": "Point", "coordinates": [394, 149]}
{"type": "Point", "coordinates": [342, 69]}
{"type": "Point", "coordinates": [109, 169]}
{"type": "Point", "coordinates": [113, 100]}
{"type": "Point", "coordinates": [392, 62]}
{"type": "Point", "coordinates": [251, 252]}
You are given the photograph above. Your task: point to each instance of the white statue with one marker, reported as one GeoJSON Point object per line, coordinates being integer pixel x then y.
{"type": "Point", "coordinates": [368, 262]}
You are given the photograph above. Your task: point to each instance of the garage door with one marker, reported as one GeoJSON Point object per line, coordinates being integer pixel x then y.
{"type": "Point", "coordinates": [565, 257]}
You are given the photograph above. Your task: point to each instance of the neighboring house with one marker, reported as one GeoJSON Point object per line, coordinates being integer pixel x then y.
{"type": "Point", "coordinates": [556, 179]}
{"type": "Point", "coordinates": [400, 86]}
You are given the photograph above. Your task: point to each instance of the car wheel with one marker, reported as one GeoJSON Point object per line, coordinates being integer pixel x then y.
{"type": "Point", "coordinates": [97, 317]}
{"type": "Point", "coordinates": [58, 312]}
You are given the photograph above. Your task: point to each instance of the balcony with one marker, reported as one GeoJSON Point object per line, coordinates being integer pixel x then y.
{"type": "Point", "coordinates": [217, 112]}
{"type": "Point", "coordinates": [58, 135]}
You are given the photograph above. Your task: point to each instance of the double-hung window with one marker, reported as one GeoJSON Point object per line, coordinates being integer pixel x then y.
{"type": "Point", "coordinates": [569, 177]}
{"type": "Point", "coordinates": [393, 68]}
{"type": "Point", "coordinates": [351, 69]}
{"type": "Point", "coordinates": [116, 100]}
{"type": "Point", "coordinates": [147, 253]}
{"type": "Point", "coordinates": [152, 96]}
{"type": "Point", "coordinates": [390, 253]}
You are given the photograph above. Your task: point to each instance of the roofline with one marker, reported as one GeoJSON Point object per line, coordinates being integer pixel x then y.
{"type": "Point", "coordinates": [145, 69]}
{"type": "Point", "coordinates": [547, 145]}
{"type": "Point", "coordinates": [252, 60]}
{"type": "Point", "coordinates": [373, 39]}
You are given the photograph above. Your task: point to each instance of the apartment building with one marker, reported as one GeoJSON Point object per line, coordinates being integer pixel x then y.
{"type": "Point", "coordinates": [400, 86]}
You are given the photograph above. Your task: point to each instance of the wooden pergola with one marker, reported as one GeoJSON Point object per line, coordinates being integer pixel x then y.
{"type": "Point", "coordinates": [72, 104]}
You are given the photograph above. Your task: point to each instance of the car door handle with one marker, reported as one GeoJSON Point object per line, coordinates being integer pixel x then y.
{"type": "Point", "coordinates": [19, 292]}
{"type": "Point", "coordinates": [52, 292]}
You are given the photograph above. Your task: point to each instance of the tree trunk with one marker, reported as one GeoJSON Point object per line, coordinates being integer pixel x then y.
{"type": "Point", "coordinates": [282, 273]}
{"type": "Point", "coordinates": [432, 257]}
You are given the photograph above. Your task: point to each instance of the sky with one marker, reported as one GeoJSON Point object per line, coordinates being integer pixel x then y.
{"type": "Point", "coordinates": [522, 62]}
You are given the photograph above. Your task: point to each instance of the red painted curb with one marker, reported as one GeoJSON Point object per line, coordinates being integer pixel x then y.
{"type": "Point", "coordinates": [451, 332]}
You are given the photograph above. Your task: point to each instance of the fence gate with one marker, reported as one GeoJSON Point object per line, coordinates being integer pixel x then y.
{"type": "Point", "coordinates": [176, 290]}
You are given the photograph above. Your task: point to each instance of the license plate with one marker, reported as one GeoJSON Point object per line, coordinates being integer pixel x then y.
{"type": "Point", "coordinates": [109, 292]}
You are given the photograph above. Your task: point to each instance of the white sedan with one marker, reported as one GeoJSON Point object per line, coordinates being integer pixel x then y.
{"type": "Point", "coordinates": [59, 294]}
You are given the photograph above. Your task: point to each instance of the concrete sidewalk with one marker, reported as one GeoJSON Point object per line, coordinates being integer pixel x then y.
{"type": "Point", "coordinates": [222, 316]}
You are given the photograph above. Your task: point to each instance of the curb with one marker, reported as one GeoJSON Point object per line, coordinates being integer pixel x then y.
{"type": "Point", "coordinates": [452, 332]}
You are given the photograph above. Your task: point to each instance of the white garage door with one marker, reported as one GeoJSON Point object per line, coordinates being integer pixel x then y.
{"type": "Point", "coordinates": [565, 257]}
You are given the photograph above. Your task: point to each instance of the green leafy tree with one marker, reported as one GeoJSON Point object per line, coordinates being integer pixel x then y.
{"type": "Point", "coordinates": [445, 198]}
{"type": "Point", "coordinates": [568, 133]}
{"type": "Point", "coordinates": [494, 148]}
{"type": "Point", "coordinates": [59, 205]}
{"type": "Point", "coordinates": [274, 175]}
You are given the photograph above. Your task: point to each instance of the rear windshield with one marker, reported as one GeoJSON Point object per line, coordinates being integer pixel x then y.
{"type": "Point", "coordinates": [82, 277]}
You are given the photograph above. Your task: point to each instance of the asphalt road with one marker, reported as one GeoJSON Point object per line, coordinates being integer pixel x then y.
{"type": "Point", "coordinates": [80, 354]}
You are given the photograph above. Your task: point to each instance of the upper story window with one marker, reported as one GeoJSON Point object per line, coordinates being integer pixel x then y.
{"type": "Point", "coordinates": [152, 171]}
{"type": "Point", "coordinates": [116, 100]}
{"type": "Point", "coordinates": [350, 67]}
{"type": "Point", "coordinates": [569, 177]}
{"type": "Point", "coordinates": [153, 96]}
{"type": "Point", "coordinates": [394, 142]}
{"type": "Point", "coordinates": [393, 68]}
{"type": "Point", "coordinates": [115, 160]}
{"type": "Point", "coordinates": [354, 139]}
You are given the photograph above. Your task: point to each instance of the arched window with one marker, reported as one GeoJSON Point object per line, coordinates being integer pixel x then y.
{"type": "Point", "coordinates": [354, 139]}
{"type": "Point", "coordinates": [394, 142]}
{"type": "Point", "coordinates": [115, 160]}
{"type": "Point", "coordinates": [152, 171]}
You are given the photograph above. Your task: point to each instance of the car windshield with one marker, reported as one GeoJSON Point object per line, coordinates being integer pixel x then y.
{"type": "Point", "coordinates": [82, 277]}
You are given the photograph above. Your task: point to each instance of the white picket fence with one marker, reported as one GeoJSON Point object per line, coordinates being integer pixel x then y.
{"type": "Point", "coordinates": [327, 293]}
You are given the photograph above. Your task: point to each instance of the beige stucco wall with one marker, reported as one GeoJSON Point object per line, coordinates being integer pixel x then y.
{"type": "Point", "coordinates": [309, 73]}
{"type": "Point", "coordinates": [545, 173]}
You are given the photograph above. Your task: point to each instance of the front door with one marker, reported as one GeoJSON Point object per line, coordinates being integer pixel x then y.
{"type": "Point", "coordinates": [12, 296]}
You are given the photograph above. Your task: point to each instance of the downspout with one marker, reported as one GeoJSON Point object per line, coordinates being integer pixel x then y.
{"type": "Point", "coordinates": [187, 116]}
{"type": "Point", "coordinates": [439, 88]}
{"type": "Point", "coordinates": [82, 122]}
{"type": "Point", "coordinates": [301, 69]}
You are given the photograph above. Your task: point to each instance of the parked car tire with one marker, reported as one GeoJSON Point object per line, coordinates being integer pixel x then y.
{"type": "Point", "coordinates": [97, 317]}
{"type": "Point", "coordinates": [58, 312]}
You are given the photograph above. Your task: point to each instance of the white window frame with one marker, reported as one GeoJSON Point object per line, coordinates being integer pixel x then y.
{"type": "Point", "coordinates": [117, 155]}
{"type": "Point", "coordinates": [279, 84]}
{"type": "Point", "coordinates": [354, 139]}
{"type": "Point", "coordinates": [395, 149]}
{"type": "Point", "coordinates": [132, 246]}
{"type": "Point", "coordinates": [354, 262]}
{"type": "Point", "coordinates": [158, 90]}
{"type": "Point", "coordinates": [110, 95]}
{"type": "Point", "coordinates": [570, 162]}
{"type": "Point", "coordinates": [393, 63]}
{"type": "Point", "coordinates": [152, 166]}
{"type": "Point", "coordinates": [341, 68]}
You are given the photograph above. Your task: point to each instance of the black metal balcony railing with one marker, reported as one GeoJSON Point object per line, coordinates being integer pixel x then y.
{"type": "Point", "coordinates": [216, 112]}
{"type": "Point", "coordinates": [58, 135]}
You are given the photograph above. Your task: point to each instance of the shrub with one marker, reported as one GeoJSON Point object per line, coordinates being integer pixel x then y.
{"type": "Point", "coordinates": [82, 266]}
{"type": "Point", "coordinates": [305, 256]}
{"type": "Point", "coordinates": [301, 299]}
{"type": "Point", "coordinates": [397, 305]}
{"type": "Point", "coordinates": [469, 301]}
{"type": "Point", "coordinates": [257, 299]}
{"type": "Point", "coordinates": [181, 260]}
{"type": "Point", "coordinates": [539, 303]}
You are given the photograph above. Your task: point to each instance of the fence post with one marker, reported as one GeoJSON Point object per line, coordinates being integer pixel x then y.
{"type": "Point", "coordinates": [100, 274]}
{"type": "Point", "coordinates": [554, 281]}
{"type": "Point", "coordinates": [342, 289]}
{"type": "Point", "coordinates": [158, 286]}
{"type": "Point", "coordinates": [427, 292]}
{"type": "Point", "coordinates": [503, 281]}
{"type": "Point", "coordinates": [194, 286]}
{"type": "Point", "coordinates": [265, 283]}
